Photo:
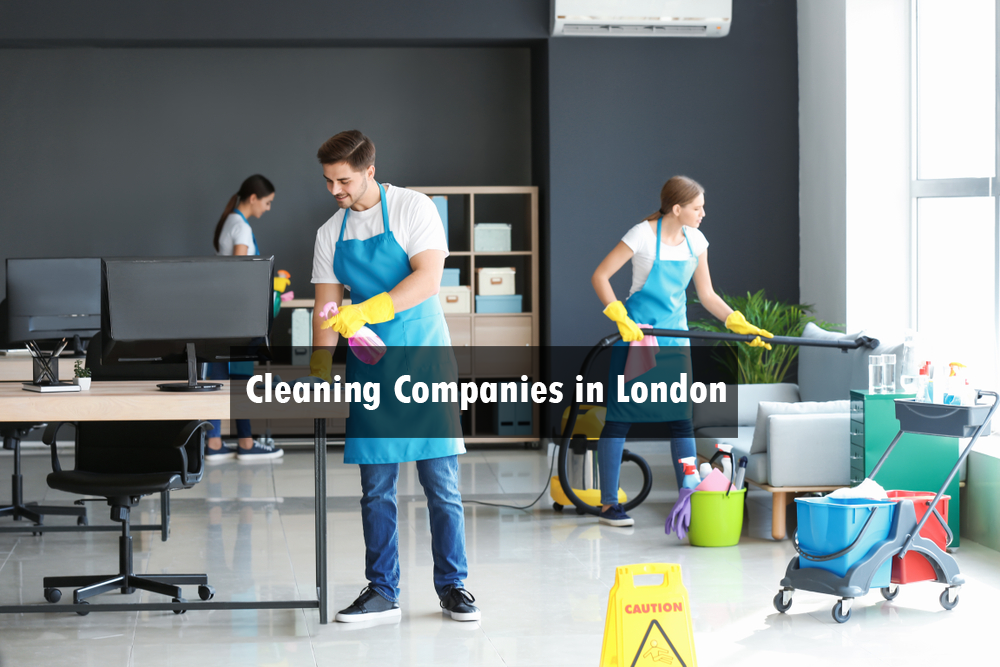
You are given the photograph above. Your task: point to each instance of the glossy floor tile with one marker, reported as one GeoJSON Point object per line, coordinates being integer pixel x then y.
{"type": "Point", "coordinates": [541, 577]}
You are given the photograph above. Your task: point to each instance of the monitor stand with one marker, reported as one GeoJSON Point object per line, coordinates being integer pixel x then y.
{"type": "Point", "coordinates": [192, 384]}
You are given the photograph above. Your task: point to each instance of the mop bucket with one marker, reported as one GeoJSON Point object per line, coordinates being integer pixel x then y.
{"type": "Point", "coordinates": [836, 533]}
{"type": "Point", "coordinates": [914, 567]}
{"type": "Point", "coordinates": [716, 519]}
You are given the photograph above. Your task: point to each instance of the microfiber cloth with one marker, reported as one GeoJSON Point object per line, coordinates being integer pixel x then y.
{"type": "Point", "coordinates": [679, 519]}
{"type": "Point", "coordinates": [641, 355]}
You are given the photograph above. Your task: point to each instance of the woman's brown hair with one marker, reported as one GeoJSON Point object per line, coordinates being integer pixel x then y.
{"type": "Point", "coordinates": [254, 185]}
{"type": "Point", "coordinates": [678, 190]}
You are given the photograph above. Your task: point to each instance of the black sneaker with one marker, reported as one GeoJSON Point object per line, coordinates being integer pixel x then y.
{"type": "Point", "coordinates": [457, 603]}
{"type": "Point", "coordinates": [615, 516]}
{"type": "Point", "coordinates": [369, 606]}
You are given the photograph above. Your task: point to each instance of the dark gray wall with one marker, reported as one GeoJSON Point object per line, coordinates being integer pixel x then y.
{"type": "Point", "coordinates": [135, 151]}
{"type": "Point", "coordinates": [609, 121]}
{"type": "Point", "coordinates": [626, 114]}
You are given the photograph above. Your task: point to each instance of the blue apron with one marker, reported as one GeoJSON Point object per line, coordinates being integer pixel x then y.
{"type": "Point", "coordinates": [243, 369]}
{"type": "Point", "coordinates": [662, 303]}
{"type": "Point", "coordinates": [369, 268]}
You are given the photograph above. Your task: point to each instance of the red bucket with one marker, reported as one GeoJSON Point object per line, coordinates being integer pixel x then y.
{"type": "Point", "coordinates": [914, 567]}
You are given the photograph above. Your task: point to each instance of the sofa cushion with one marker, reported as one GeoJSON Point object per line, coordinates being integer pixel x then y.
{"type": "Point", "coordinates": [767, 408]}
{"type": "Point", "coordinates": [826, 373]}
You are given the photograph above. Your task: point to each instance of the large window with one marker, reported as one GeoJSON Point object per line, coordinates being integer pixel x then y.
{"type": "Point", "coordinates": [957, 217]}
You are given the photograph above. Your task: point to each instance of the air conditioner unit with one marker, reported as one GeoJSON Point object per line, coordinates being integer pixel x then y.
{"type": "Point", "coordinates": [641, 18]}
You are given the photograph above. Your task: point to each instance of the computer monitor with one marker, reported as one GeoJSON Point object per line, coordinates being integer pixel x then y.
{"type": "Point", "coordinates": [50, 299]}
{"type": "Point", "coordinates": [186, 309]}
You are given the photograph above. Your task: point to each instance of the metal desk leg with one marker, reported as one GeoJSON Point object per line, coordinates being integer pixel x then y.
{"type": "Point", "coordinates": [319, 443]}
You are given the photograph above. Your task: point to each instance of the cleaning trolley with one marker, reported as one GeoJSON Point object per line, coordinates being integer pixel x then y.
{"type": "Point", "coordinates": [876, 531]}
{"type": "Point", "coordinates": [583, 441]}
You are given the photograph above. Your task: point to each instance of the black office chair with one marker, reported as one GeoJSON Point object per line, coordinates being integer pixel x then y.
{"type": "Point", "coordinates": [123, 461]}
{"type": "Point", "coordinates": [12, 433]}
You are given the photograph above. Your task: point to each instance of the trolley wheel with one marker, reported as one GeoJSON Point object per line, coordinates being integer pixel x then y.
{"type": "Point", "coordinates": [81, 521]}
{"type": "Point", "coordinates": [780, 604]}
{"type": "Point", "coordinates": [53, 595]}
{"type": "Point", "coordinates": [949, 605]}
{"type": "Point", "coordinates": [837, 612]}
{"type": "Point", "coordinates": [890, 592]}
{"type": "Point", "coordinates": [83, 613]}
{"type": "Point", "coordinates": [206, 592]}
{"type": "Point", "coordinates": [557, 507]}
{"type": "Point", "coordinates": [180, 611]}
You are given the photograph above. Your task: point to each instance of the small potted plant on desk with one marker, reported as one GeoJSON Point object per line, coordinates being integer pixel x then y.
{"type": "Point", "coordinates": [82, 375]}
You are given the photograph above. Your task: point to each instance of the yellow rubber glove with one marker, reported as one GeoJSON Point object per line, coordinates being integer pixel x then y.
{"type": "Point", "coordinates": [320, 364]}
{"type": "Point", "coordinates": [629, 330]}
{"type": "Point", "coordinates": [377, 309]}
{"type": "Point", "coordinates": [738, 324]}
{"type": "Point", "coordinates": [281, 284]}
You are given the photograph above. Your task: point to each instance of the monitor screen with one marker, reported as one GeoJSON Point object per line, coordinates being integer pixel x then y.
{"type": "Point", "coordinates": [50, 299]}
{"type": "Point", "coordinates": [151, 308]}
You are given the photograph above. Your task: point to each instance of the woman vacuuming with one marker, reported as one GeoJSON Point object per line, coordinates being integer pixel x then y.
{"type": "Point", "coordinates": [667, 250]}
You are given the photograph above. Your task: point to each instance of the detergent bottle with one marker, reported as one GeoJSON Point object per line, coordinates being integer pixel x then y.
{"type": "Point", "coordinates": [691, 478]}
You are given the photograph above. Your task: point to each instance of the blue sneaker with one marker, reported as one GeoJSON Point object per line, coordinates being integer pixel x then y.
{"type": "Point", "coordinates": [615, 516]}
{"type": "Point", "coordinates": [259, 452]}
{"type": "Point", "coordinates": [223, 453]}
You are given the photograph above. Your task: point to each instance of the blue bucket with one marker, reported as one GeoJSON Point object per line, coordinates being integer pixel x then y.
{"type": "Point", "coordinates": [828, 525]}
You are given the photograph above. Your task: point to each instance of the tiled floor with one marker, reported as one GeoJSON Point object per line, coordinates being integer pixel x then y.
{"type": "Point", "coordinates": [541, 578]}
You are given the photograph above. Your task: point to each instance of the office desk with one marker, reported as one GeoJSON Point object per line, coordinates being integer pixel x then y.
{"type": "Point", "coordinates": [20, 367]}
{"type": "Point", "coordinates": [137, 401]}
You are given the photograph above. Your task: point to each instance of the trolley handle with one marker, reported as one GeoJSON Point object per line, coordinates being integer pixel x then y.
{"type": "Point", "coordinates": [847, 549]}
{"type": "Point", "coordinates": [944, 524]}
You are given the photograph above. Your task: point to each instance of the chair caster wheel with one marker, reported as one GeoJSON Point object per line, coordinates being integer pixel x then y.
{"type": "Point", "coordinates": [780, 604]}
{"type": "Point", "coordinates": [557, 507]}
{"type": "Point", "coordinates": [83, 613]}
{"type": "Point", "coordinates": [945, 602]}
{"type": "Point", "coordinates": [206, 592]}
{"type": "Point", "coordinates": [890, 592]}
{"type": "Point", "coordinates": [82, 521]}
{"type": "Point", "coordinates": [179, 611]}
{"type": "Point", "coordinates": [53, 595]}
{"type": "Point", "coordinates": [838, 613]}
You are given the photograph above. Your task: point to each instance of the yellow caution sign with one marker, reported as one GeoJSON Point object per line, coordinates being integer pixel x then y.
{"type": "Point", "coordinates": [648, 625]}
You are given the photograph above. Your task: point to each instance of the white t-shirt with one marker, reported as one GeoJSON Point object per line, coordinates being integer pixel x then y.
{"type": "Point", "coordinates": [236, 231]}
{"type": "Point", "coordinates": [642, 240]}
{"type": "Point", "coordinates": [413, 220]}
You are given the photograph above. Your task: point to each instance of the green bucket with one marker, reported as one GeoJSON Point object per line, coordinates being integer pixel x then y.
{"type": "Point", "coordinates": [716, 519]}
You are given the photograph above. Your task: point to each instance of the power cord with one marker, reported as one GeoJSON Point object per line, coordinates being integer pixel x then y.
{"type": "Point", "coordinates": [548, 480]}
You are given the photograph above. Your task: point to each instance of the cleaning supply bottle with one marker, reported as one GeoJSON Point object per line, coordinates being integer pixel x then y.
{"type": "Point", "coordinates": [691, 478]}
{"type": "Point", "coordinates": [727, 459]}
{"type": "Point", "coordinates": [705, 469]}
{"type": "Point", "coordinates": [923, 384]}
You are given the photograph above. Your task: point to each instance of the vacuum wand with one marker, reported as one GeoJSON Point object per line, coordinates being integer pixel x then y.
{"type": "Point", "coordinates": [860, 341]}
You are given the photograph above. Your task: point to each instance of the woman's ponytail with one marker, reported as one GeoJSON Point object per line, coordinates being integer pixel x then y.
{"type": "Point", "coordinates": [230, 207]}
{"type": "Point", "coordinates": [254, 185]}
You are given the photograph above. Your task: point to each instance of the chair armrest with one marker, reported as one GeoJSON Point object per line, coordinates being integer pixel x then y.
{"type": "Point", "coordinates": [809, 449]}
{"type": "Point", "coordinates": [181, 442]}
{"type": "Point", "coordinates": [49, 438]}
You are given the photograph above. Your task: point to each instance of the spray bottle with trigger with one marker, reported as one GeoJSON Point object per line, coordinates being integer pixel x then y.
{"type": "Point", "coordinates": [691, 478]}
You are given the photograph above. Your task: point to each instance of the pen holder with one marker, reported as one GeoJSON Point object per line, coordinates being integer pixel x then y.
{"type": "Point", "coordinates": [45, 369]}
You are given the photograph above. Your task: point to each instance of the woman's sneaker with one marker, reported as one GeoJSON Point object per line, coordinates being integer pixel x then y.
{"type": "Point", "coordinates": [457, 603]}
{"type": "Point", "coordinates": [259, 452]}
{"type": "Point", "coordinates": [369, 606]}
{"type": "Point", "coordinates": [615, 516]}
{"type": "Point", "coordinates": [223, 453]}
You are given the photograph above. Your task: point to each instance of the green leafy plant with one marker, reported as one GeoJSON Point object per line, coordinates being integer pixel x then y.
{"type": "Point", "coordinates": [757, 365]}
{"type": "Point", "coordinates": [80, 371]}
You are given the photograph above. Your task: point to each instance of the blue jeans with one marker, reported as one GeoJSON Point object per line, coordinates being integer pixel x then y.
{"type": "Point", "coordinates": [439, 477]}
{"type": "Point", "coordinates": [220, 371]}
{"type": "Point", "coordinates": [612, 442]}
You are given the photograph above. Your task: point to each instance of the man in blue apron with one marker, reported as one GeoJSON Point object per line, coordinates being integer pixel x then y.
{"type": "Point", "coordinates": [388, 246]}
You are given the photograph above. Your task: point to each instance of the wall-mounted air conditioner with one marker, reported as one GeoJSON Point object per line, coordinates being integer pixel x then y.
{"type": "Point", "coordinates": [642, 18]}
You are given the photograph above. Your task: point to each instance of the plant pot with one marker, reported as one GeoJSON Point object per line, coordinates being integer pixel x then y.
{"type": "Point", "coordinates": [84, 383]}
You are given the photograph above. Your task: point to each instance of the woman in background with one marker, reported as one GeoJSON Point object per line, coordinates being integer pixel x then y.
{"type": "Point", "coordinates": [234, 236]}
{"type": "Point", "coordinates": [667, 251]}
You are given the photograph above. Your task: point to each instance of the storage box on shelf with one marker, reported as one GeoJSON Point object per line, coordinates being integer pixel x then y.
{"type": "Point", "coordinates": [506, 250]}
